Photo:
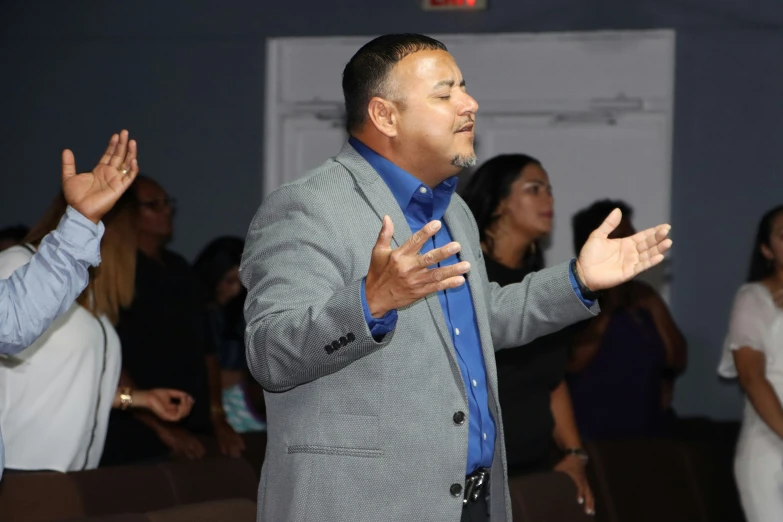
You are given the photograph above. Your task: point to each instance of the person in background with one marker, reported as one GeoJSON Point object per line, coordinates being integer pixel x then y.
{"type": "Point", "coordinates": [166, 343]}
{"type": "Point", "coordinates": [621, 358]}
{"type": "Point", "coordinates": [12, 236]}
{"type": "Point", "coordinates": [57, 393]}
{"type": "Point", "coordinates": [33, 296]}
{"type": "Point", "coordinates": [753, 353]}
{"type": "Point", "coordinates": [511, 198]}
{"type": "Point", "coordinates": [218, 269]}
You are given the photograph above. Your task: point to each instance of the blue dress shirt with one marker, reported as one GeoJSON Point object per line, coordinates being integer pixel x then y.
{"type": "Point", "coordinates": [420, 205]}
{"type": "Point", "coordinates": [36, 293]}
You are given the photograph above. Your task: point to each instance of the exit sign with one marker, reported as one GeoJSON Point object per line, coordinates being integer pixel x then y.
{"type": "Point", "coordinates": [443, 5]}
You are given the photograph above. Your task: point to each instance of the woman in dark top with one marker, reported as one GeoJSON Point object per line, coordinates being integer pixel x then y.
{"type": "Point", "coordinates": [511, 199]}
{"type": "Point", "coordinates": [166, 343]}
{"type": "Point", "coordinates": [218, 269]}
{"type": "Point", "coordinates": [624, 360]}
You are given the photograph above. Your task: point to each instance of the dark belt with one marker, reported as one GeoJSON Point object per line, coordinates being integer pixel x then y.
{"type": "Point", "coordinates": [476, 485]}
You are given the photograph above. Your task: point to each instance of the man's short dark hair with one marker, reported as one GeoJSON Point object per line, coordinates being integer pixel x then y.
{"type": "Point", "coordinates": [587, 220]}
{"type": "Point", "coordinates": [366, 74]}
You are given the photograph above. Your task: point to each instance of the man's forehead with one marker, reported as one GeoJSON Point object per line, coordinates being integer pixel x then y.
{"type": "Point", "coordinates": [430, 66]}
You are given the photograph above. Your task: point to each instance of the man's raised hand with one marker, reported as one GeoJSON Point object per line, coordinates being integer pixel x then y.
{"type": "Point", "coordinates": [400, 277]}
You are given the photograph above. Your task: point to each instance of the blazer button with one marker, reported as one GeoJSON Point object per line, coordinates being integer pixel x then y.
{"type": "Point", "coordinates": [343, 341]}
{"type": "Point", "coordinates": [455, 490]}
{"type": "Point", "coordinates": [336, 345]}
{"type": "Point", "coordinates": [329, 349]}
{"type": "Point", "coordinates": [459, 418]}
{"type": "Point", "coordinates": [351, 337]}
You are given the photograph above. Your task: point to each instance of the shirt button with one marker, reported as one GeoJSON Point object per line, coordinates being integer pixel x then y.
{"type": "Point", "coordinates": [475, 383]}
{"type": "Point", "coordinates": [456, 331]}
{"type": "Point", "coordinates": [485, 436]}
{"type": "Point", "coordinates": [422, 190]}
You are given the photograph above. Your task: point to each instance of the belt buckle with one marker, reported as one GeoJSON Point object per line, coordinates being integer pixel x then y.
{"type": "Point", "coordinates": [474, 485]}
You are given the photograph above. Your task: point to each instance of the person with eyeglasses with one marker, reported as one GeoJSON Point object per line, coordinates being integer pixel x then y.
{"type": "Point", "coordinates": [34, 295]}
{"type": "Point", "coordinates": [166, 343]}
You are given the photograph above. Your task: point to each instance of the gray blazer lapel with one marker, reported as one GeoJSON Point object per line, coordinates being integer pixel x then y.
{"type": "Point", "coordinates": [458, 225]}
{"type": "Point", "coordinates": [382, 201]}
{"type": "Point", "coordinates": [375, 191]}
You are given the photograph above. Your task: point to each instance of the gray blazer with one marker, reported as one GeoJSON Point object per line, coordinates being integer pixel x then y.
{"type": "Point", "coordinates": [360, 430]}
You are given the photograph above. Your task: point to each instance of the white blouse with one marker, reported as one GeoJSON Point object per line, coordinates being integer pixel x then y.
{"type": "Point", "coordinates": [56, 395]}
{"type": "Point", "coordinates": [756, 322]}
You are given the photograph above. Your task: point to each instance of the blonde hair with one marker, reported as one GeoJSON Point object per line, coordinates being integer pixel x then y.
{"type": "Point", "coordinates": [112, 283]}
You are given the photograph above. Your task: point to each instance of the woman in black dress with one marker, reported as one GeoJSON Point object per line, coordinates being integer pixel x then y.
{"type": "Point", "coordinates": [511, 199]}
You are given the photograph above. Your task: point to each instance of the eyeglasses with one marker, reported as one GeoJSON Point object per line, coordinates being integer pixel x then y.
{"type": "Point", "coordinates": [158, 205]}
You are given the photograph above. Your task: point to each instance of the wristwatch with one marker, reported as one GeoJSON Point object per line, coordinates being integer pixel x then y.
{"type": "Point", "coordinates": [579, 452]}
{"type": "Point", "coordinates": [126, 398]}
{"type": "Point", "coordinates": [588, 294]}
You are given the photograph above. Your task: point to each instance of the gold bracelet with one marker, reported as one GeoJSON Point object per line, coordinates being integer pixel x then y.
{"type": "Point", "coordinates": [126, 397]}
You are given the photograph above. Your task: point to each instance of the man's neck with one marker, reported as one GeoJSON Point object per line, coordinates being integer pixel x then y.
{"type": "Point", "coordinates": [385, 148]}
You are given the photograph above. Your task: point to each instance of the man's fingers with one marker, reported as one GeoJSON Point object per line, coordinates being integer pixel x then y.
{"type": "Point", "coordinates": [646, 253]}
{"type": "Point", "coordinates": [120, 150]}
{"type": "Point", "coordinates": [439, 254]}
{"type": "Point", "coordinates": [109, 152]}
{"type": "Point", "coordinates": [446, 284]}
{"type": "Point", "coordinates": [436, 275]}
{"type": "Point", "coordinates": [649, 238]}
{"type": "Point", "coordinates": [69, 165]}
{"type": "Point", "coordinates": [417, 240]}
{"type": "Point", "coordinates": [385, 235]}
{"type": "Point", "coordinates": [130, 156]}
{"type": "Point", "coordinates": [610, 223]}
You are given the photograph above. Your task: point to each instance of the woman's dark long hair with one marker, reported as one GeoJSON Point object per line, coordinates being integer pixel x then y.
{"type": "Point", "coordinates": [487, 188]}
{"type": "Point", "coordinates": [760, 267]}
{"type": "Point", "coordinates": [220, 256]}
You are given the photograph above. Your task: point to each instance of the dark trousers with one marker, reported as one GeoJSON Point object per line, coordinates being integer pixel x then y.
{"type": "Point", "coordinates": [476, 511]}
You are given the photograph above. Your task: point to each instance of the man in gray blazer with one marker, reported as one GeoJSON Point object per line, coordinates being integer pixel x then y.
{"type": "Point", "coordinates": [377, 358]}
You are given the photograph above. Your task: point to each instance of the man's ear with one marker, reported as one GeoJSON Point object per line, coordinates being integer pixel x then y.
{"type": "Point", "coordinates": [383, 115]}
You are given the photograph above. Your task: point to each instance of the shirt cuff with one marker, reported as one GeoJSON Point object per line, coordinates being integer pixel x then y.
{"type": "Point", "coordinates": [575, 285]}
{"type": "Point", "coordinates": [382, 325]}
{"type": "Point", "coordinates": [80, 236]}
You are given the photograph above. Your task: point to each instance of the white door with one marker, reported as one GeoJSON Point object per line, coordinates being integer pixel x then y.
{"type": "Point", "coordinates": [308, 140]}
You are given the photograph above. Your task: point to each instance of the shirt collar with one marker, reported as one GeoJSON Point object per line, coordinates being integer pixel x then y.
{"type": "Point", "coordinates": [402, 184]}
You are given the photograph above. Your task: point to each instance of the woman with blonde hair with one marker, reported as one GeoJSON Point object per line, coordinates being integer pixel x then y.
{"type": "Point", "coordinates": [55, 396]}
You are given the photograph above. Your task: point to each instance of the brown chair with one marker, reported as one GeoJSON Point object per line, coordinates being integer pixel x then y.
{"type": "Point", "coordinates": [546, 497]}
{"type": "Point", "coordinates": [233, 510]}
{"type": "Point", "coordinates": [125, 489]}
{"type": "Point", "coordinates": [211, 479]}
{"type": "Point", "coordinates": [644, 480]}
{"type": "Point", "coordinates": [39, 497]}
{"type": "Point", "coordinates": [713, 466]}
{"type": "Point", "coordinates": [123, 517]}
{"type": "Point", "coordinates": [255, 450]}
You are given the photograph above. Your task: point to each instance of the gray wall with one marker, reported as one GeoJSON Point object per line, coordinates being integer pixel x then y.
{"type": "Point", "coordinates": [187, 78]}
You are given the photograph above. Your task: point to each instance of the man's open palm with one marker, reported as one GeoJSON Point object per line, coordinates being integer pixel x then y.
{"type": "Point", "coordinates": [605, 263]}
{"type": "Point", "coordinates": [94, 193]}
